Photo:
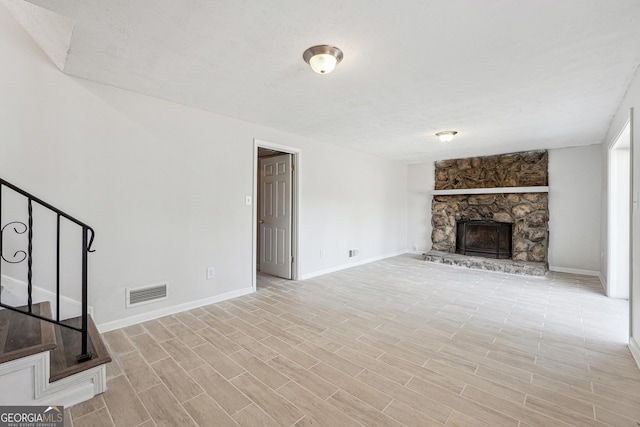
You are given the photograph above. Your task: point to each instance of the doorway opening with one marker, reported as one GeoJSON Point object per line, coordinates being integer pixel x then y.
{"type": "Point", "coordinates": [275, 215]}
{"type": "Point", "coordinates": [619, 244]}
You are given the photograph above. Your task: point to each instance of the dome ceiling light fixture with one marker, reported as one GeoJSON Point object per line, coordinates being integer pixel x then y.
{"type": "Point", "coordinates": [446, 135]}
{"type": "Point", "coordinates": [323, 58]}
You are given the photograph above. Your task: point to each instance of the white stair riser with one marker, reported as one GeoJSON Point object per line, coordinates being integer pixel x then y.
{"type": "Point", "coordinates": [25, 381]}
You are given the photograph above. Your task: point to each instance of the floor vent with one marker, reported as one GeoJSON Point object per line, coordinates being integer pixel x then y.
{"type": "Point", "coordinates": [147, 294]}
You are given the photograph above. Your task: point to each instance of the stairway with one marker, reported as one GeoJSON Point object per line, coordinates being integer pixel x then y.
{"type": "Point", "coordinates": [38, 360]}
{"type": "Point", "coordinates": [47, 357]}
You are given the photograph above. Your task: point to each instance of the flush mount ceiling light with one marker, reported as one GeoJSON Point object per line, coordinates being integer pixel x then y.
{"type": "Point", "coordinates": [446, 135]}
{"type": "Point", "coordinates": [323, 58]}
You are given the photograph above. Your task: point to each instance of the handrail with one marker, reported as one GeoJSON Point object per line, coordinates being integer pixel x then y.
{"type": "Point", "coordinates": [19, 227]}
{"type": "Point", "coordinates": [52, 208]}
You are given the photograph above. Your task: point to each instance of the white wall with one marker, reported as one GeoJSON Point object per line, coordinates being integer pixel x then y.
{"type": "Point", "coordinates": [630, 100]}
{"type": "Point", "coordinates": [574, 178]}
{"type": "Point", "coordinates": [164, 185]}
{"type": "Point", "coordinates": [421, 181]}
{"type": "Point", "coordinates": [350, 201]}
{"type": "Point", "coordinates": [575, 209]}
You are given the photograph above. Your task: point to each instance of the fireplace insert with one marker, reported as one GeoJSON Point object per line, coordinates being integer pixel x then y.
{"type": "Point", "coordinates": [488, 239]}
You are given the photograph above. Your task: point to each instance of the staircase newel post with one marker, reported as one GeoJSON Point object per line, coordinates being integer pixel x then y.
{"type": "Point", "coordinates": [85, 355]}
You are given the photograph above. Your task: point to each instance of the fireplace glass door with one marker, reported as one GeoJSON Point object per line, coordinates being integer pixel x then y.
{"type": "Point", "coordinates": [484, 238]}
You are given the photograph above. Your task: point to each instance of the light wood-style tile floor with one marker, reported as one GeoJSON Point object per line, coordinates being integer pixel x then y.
{"type": "Point", "coordinates": [399, 342]}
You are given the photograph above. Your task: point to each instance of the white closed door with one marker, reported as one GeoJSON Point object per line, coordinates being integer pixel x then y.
{"type": "Point", "coordinates": [274, 216]}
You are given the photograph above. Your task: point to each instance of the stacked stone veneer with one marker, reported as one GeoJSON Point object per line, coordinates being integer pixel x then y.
{"type": "Point", "coordinates": [526, 169]}
{"type": "Point", "coordinates": [528, 212]}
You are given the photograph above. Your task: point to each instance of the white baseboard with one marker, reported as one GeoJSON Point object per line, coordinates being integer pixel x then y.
{"type": "Point", "coordinates": [14, 293]}
{"type": "Point", "coordinates": [635, 350]}
{"type": "Point", "coordinates": [574, 271]}
{"type": "Point", "coordinates": [167, 311]}
{"type": "Point", "coordinates": [351, 264]}
{"type": "Point", "coordinates": [603, 282]}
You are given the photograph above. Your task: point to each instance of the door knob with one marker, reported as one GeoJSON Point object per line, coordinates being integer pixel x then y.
{"type": "Point", "coordinates": [261, 221]}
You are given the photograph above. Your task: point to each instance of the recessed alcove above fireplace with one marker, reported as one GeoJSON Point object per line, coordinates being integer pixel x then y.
{"type": "Point", "coordinates": [505, 194]}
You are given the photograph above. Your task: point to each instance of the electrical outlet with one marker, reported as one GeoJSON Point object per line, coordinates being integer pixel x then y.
{"type": "Point", "coordinates": [353, 252]}
{"type": "Point", "coordinates": [321, 253]}
{"type": "Point", "coordinates": [415, 247]}
{"type": "Point", "coordinates": [211, 273]}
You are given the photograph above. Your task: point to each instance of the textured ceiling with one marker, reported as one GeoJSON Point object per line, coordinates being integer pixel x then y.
{"type": "Point", "coordinates": [507, 75]}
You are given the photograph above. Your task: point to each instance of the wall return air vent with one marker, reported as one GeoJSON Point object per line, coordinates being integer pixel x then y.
{"type": "Point", "coordinates": [147, 294]}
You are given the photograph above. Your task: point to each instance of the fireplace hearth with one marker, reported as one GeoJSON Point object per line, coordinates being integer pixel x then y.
{"type": "Point", "coordinates": [487, 239]}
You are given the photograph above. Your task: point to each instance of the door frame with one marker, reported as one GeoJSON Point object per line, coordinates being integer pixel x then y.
{"type": "Point", "coordinates": [616, 249]}
{"type": "Point", "coordinates": [295, 204]}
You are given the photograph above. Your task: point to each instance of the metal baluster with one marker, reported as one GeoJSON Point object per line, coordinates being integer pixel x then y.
{"type": "Point", "coordinates": [58, 269]}
{"type": "Point", "coordinates": [30, 257]}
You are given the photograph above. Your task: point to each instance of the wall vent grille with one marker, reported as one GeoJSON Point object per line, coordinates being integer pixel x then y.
{"type": "Point", "coordinates": [147, 294]}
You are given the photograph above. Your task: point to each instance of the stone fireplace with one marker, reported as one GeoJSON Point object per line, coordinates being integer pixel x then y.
{"type": "Point", "coordinates": [528, 214]}
{"type": "Point", "coordinates": [505, 194]}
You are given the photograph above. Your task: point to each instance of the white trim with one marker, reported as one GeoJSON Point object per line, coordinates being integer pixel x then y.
{"type": "Point", "coordinates": [37, 363]}
{"type": "Point", "coordinates": [603, 281]}
{"type": "Point", "coordinates": [538, 189]}
{"type": "Point", "coordinates": [613, 201]}
{"type": "Point", "coordinates": [575, 271]}
{"type": "Point", "coordinates": [39, 294]}
{"type": "Point", "coordinates": [68, 391]}
{"type": "Point", "coordinates": [635, 350]}
{"type": "Point", "coordinates": [296, 203]}
{"type": "Point", "coordinates": [76, 388]}
{"type": "Point", "coordinates": [622, 130]}
{"type": "Point", "coordinates": [632, 249]}
{"type": "Point", "coordinates": [167, 311]}
{"type": "Point", "coordinates": [352, 264]}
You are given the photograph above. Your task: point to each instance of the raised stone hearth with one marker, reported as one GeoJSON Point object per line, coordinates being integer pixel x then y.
{"type": "Point", "coordinates": [537, 269]}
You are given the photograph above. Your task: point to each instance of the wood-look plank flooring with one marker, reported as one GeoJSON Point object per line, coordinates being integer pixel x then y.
{"type": "Point", "coordinates": [398, 342]}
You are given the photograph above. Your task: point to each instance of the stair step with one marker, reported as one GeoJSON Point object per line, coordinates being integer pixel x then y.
{"type": "Point", "coordinates": [64, 358]}
{"type": "Point", "coordinates": [22, 336]}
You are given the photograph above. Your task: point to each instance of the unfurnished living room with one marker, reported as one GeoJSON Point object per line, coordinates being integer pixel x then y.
{"type": "Point", "coordinates": [337, 213]}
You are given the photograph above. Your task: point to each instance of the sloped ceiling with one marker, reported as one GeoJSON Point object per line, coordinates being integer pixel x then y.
{"type": "Point", "coordinates": [507, 75]}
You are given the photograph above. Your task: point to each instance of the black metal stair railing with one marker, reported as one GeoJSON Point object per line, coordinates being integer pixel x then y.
{"type": "Point", "coordinates": [19, 256]}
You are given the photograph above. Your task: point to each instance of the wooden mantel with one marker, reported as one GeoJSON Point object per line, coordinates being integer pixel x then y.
{"type": "Point", "coordinates": [500, 190]}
